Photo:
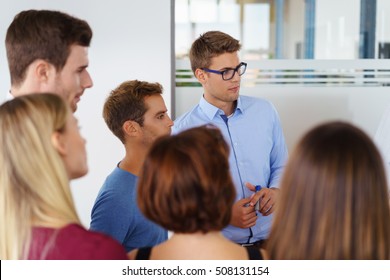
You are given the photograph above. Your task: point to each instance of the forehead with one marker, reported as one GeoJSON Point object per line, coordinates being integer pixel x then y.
{"type": "Point", "coordinates": [78, 55]}
{"type": "Point", "coordinates": [225, 60]}
{"type": "Point", "coordinates": [154, 103]}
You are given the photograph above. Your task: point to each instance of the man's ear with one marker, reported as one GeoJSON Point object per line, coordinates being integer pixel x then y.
{"type": "Point", "coordinates": [57, 139]}
{"type": "Point", "coordinates": [43, 70]}
{"type": "Point", "coordinates": [201, 76]}
{"type": "Point", "coordinates": [131, 128]}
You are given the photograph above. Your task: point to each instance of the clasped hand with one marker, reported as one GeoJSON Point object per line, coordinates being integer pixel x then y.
{"type": "Point", "coordinates": [244, 214]}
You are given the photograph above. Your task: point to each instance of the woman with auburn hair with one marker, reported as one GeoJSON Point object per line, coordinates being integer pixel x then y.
{"type": "Point", "coordinates": [41, 150]}
{"type": "Point", "coordinates": [334, 202]}
{"type": "Point", "coordinates": [185, 186]}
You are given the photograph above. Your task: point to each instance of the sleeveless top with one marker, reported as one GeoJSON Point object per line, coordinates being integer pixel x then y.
{"type": "Point", "coordinates": [144, 253]}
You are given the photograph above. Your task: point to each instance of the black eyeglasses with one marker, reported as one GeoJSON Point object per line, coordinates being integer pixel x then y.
{"type": "Point", "coordinates": [228, 73]}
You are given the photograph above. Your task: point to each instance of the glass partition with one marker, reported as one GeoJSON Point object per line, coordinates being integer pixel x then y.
{"type": "Point", "coordinates": [290, 29]}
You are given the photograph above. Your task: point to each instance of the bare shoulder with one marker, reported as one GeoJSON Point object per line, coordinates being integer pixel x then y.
{"type": "Point", "coordinates": [236, 251]}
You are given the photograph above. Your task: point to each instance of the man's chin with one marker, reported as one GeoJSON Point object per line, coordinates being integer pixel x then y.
{"type": "Point", "coordinates": [73, 106]}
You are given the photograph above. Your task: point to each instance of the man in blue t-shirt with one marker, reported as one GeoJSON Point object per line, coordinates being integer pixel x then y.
{"type": "Point", "coordinates": [250, 125]}
{"type": "Point", "coordinates": [135, 112]}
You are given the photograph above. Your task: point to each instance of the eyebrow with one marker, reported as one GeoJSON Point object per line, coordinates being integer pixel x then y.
{"type": "Point", "coordinates": [230, 68]}
{"type": "Point", "coordinates": [161, 112]}
{"type": "Point", "coordinates": [83, 67]}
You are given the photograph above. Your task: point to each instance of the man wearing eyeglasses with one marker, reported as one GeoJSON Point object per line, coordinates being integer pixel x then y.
{"type": "Point", "coordinates": [250, 125]}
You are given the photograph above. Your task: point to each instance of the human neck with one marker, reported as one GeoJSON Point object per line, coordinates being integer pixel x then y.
{"type": "Point", "coordinates": [227, 107]}
{"type": "Point", "coordinates": [20, 90]}
{"type": "Point", "coordinates": [134, 159]}
{"type": "Point", "coordinates": [28, 86]}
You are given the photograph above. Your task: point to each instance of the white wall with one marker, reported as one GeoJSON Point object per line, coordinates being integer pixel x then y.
{"type": "Point", "coordinates": [132, 40]}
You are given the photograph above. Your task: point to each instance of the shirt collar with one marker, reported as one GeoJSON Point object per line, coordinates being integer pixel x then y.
{"type": "Point", "coordinates": [211, 111]}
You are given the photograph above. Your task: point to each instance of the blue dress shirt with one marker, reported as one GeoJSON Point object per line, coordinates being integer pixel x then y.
{"type": "Point", "coordinates": [257, 151]}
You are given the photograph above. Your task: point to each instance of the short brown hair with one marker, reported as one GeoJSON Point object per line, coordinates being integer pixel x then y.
{"type": "Point", "coordinates": [127, 102]}
{"type": "Point", "coordinates": [334, 201]}
{"type": "Point", "coordinates": [209, 45]}
{"type": "Point", "coordinates": [185, 184]}
{"type": "Point", "coordinates": [42, 34]}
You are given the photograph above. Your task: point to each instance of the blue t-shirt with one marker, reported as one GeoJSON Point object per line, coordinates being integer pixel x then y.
{"type": "Point", "coordinates": [258, 151]}
{"type": "Point", "coordinates": [116, 213]}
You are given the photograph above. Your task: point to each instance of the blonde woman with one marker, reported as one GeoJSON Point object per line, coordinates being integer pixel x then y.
{"type": "Point", "coordinates": [334, 201]}
{"type": "Point", "coordinates": [41, 149]}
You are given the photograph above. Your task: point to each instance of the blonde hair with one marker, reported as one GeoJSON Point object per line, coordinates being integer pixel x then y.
{"type": "Point", "coordinates": [334, 201]}
{"type": "Point", "coordinates": [34, 186]}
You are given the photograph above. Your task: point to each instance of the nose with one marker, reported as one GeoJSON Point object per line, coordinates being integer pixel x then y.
{"type": "Point", "coordinates": [236, 77]}
{"type": "Point", "coordinates": [170, 122]}
{"type": "Point", "coordinates": [87, 80]}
